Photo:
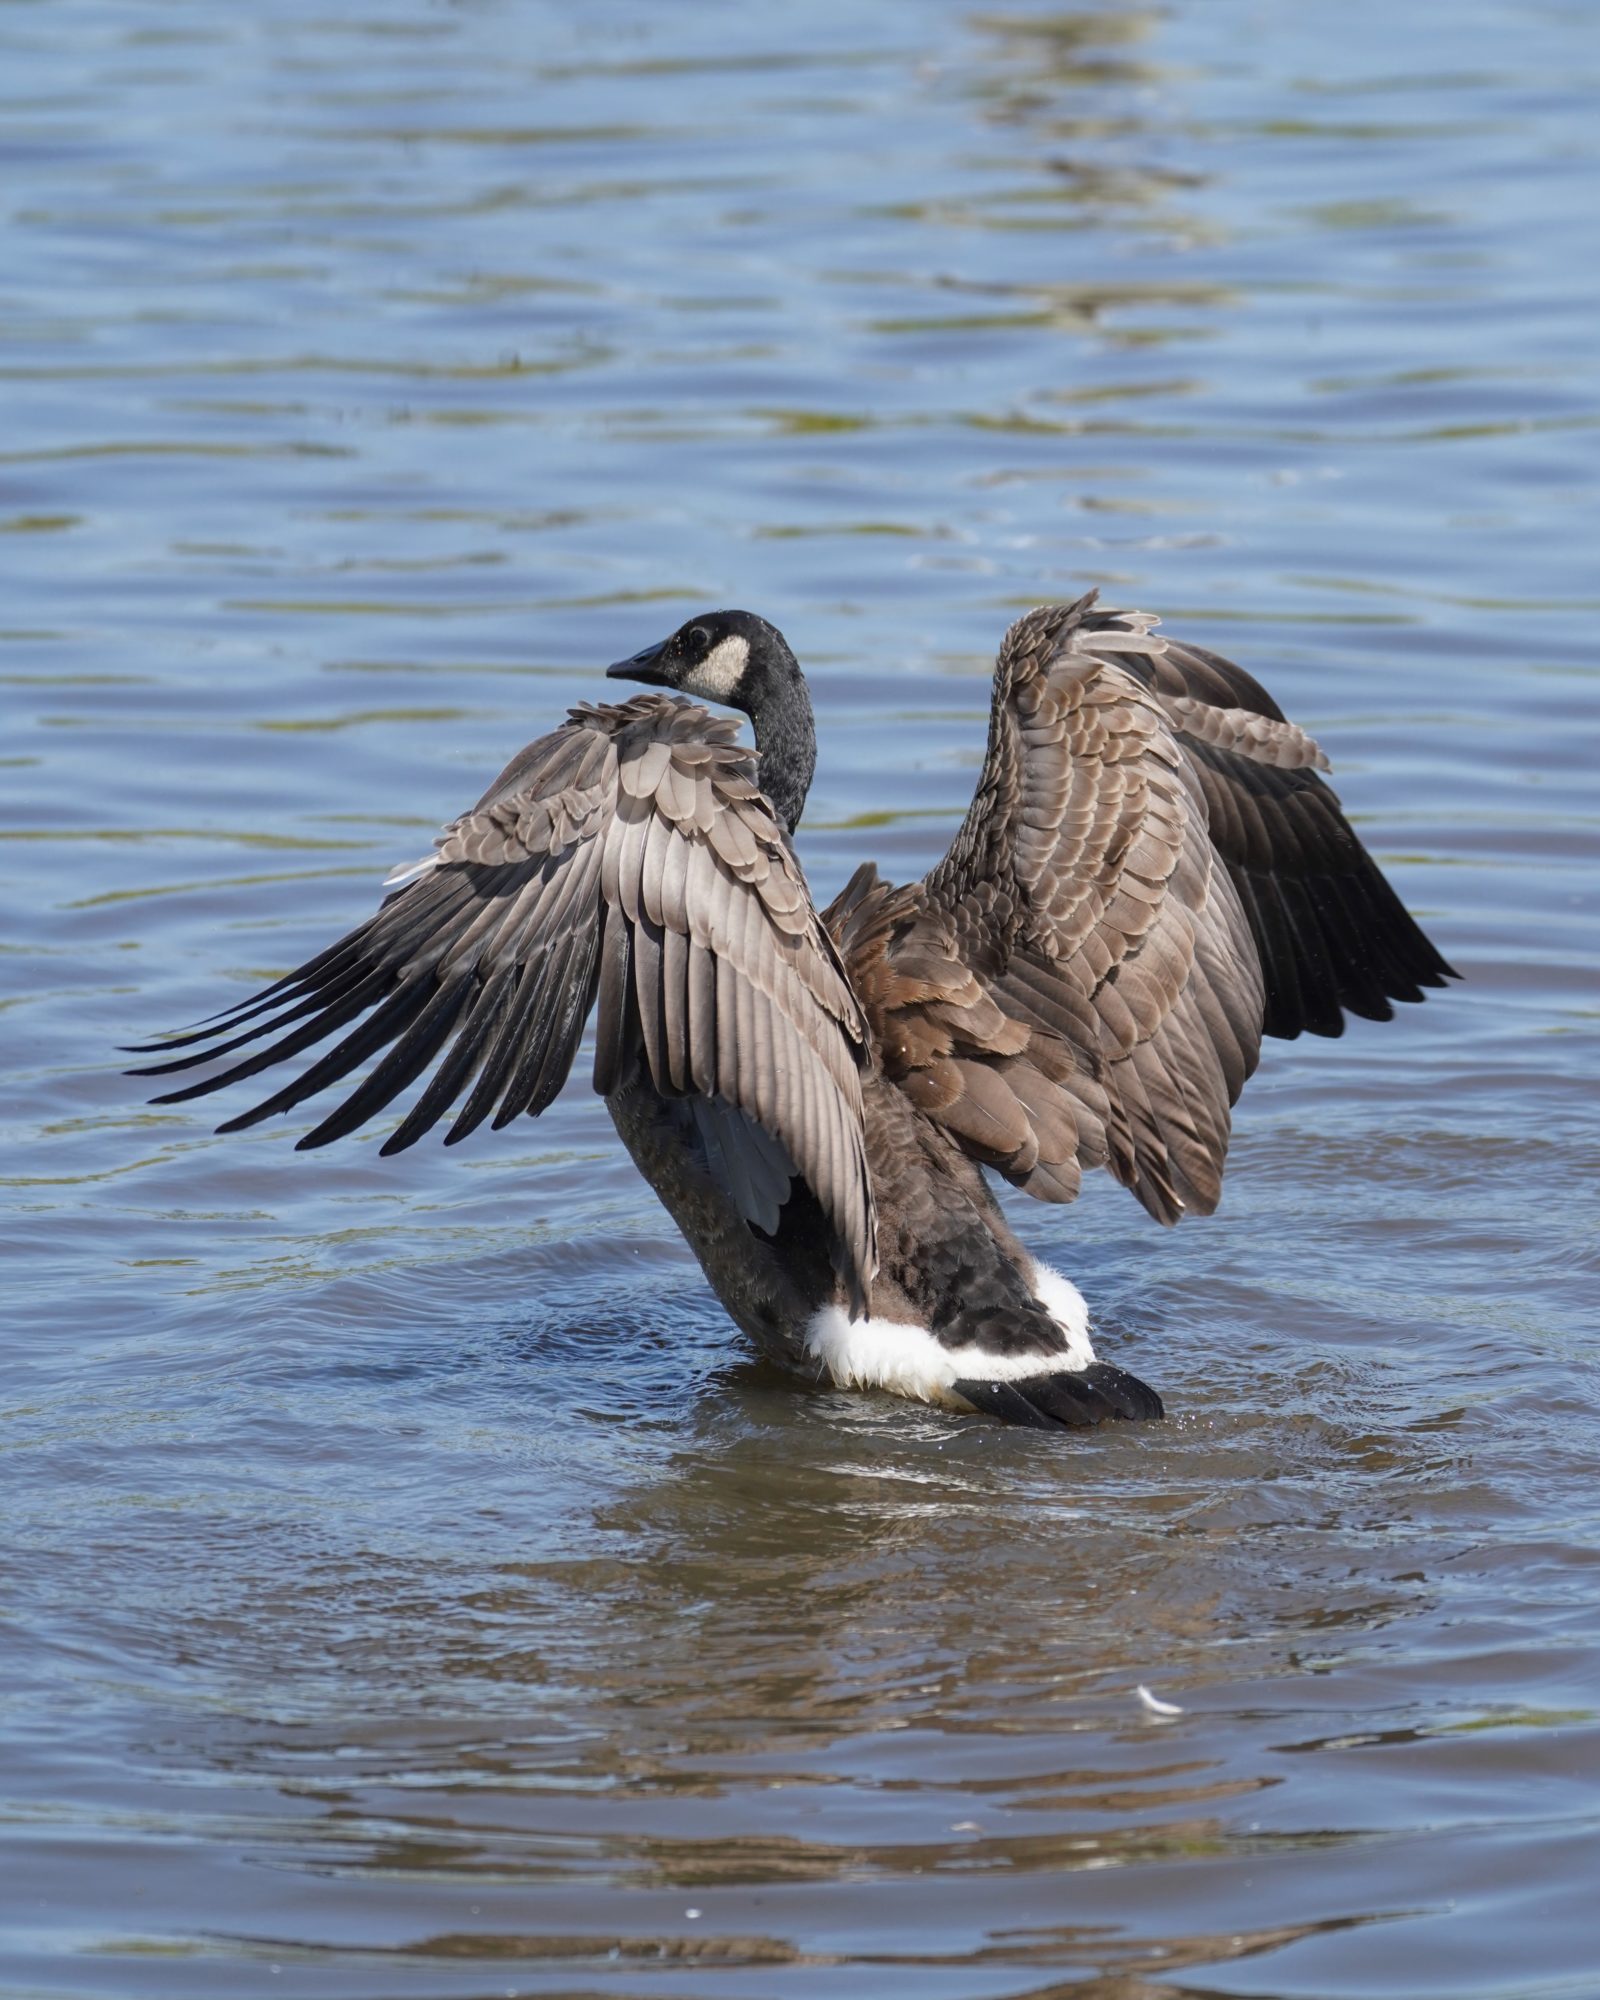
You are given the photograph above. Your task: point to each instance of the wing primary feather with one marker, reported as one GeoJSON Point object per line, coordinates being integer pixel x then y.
{"type": "Point", "coordinates": [383, 1025]}
{"type": "Point", "coordinates": [540, 1019]}
{"type": "Point", "coordinates": [290, 986]}
{"type": "Point", "coordinates": [326, 997]}
{"type": "Point", "coordinates": [401, 1066]}
{"type": "Point", "coordinates": [371, 989]}
{"type": "Point", "coordinates": [450, 1079]}
{"type": "Point", "coordinates": [349, 965]}
{"type": "Point", "coordinates": [501, 1053]}
{"type": "Point", "coordinates": [573, 1004]}
{"type": "Point", "coordinates": [1319, 981]}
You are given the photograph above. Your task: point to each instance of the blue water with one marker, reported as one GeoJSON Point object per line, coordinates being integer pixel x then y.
{"type": "Point", "coordinates": [409, 1588]}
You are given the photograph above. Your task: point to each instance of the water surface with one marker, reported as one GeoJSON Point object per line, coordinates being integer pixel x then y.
{"type": "Point", "coordinates": [410, 1589]}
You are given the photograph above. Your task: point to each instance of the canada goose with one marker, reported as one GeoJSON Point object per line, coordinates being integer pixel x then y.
{"type": "Point", "coordinates": [1150, 876]}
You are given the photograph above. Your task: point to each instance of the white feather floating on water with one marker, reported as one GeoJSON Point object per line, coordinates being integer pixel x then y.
{"type": "Point", "coordinates": [1152, 1704]}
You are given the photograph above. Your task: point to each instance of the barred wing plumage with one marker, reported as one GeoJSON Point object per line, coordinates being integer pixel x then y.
{"type": "Point", "coordinates": [626, 863]}
{"type": "Point", "coordinates": [1151, 875]}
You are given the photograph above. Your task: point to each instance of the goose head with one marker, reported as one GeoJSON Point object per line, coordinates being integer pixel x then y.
{"type": "Point", "coordinates": [739, 660]}
{"type": "Point", "coordinates": [732, 657]}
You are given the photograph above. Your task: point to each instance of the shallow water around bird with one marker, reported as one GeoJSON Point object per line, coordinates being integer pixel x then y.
{"type": "Point", "coordinates": [409, 1586]}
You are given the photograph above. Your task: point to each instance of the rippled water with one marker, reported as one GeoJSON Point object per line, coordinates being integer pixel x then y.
{"type": "Point", "coordinates": [408, 1588]}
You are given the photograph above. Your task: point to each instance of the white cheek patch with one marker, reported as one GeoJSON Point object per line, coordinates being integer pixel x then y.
{"type": "Point", "coordinates": [721, 671]}
{"type": "Point", "coordinates": [886, 1354]}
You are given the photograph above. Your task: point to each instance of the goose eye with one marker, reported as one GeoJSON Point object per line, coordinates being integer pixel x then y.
{"type": "Point", "coordinates": [699, 638]}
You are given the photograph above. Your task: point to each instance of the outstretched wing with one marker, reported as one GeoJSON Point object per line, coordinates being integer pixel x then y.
{"type": "Point", "coordinates": [628, 856]}
{"type": "Point", "coordinates": [1333, 936]}
{"type": "Point", "coordinates": [1085, 978]}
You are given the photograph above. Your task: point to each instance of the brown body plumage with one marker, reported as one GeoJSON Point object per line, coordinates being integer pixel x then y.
{"type": "Point", "coordinates": [1151, 875]}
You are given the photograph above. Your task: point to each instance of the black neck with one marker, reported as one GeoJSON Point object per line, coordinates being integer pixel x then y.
{"type": "Point", "coordinates": [786, 742]}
